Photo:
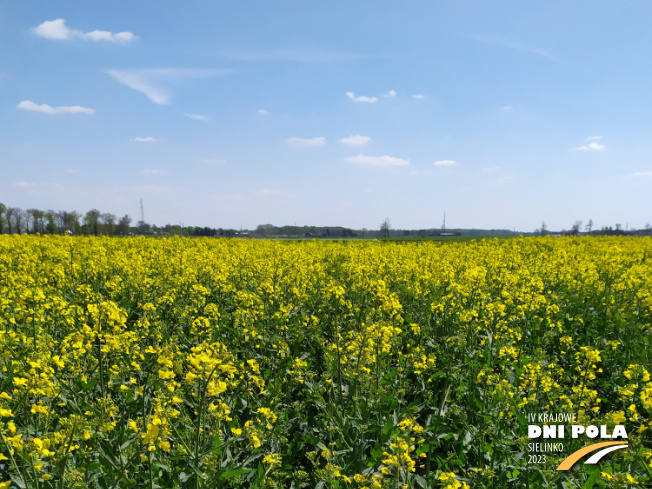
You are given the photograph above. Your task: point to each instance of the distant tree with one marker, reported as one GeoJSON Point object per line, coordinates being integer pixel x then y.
{"type": "Point", "coordinates": [589, 226]}
{"type": "Point", "coordinates": [108, 223]}
{"type": "Point", "coordinates": [618, 227]}
{"type": "Point", "coordinates": [9, 217]}
{"type": "Point", "coordinates": [92, 222]}
{"type": "Point", "coordinates": [16, 219]}
{"type": "Point", "coordinates": [30, 220]}
{"type": "Point", "coordinates": [385, 228]}
{"type": "Point", "coordinates": [544, 228]}
{"type": "Point", "coordinates": [71, 221]}
{"type": "Point", "coordinates": [123, 225]}
{"type": "Point", "coordinates": [51, 226]}
{"type": "Point", "coordinates": [576, 227]}
{"type": "Point", "coordinates": [3, 209]}
{"type": "Point", "coordinates": [265, 229]}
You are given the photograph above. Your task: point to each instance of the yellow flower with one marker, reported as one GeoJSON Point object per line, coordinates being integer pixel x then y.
{"type": "Point", "coordinates": [631, 480]}
{"type": "Point", "coordinates": [272, 459]}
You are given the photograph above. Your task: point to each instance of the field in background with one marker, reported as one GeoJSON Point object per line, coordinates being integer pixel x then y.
{"type": "Point", "coordinates": [243, 363]}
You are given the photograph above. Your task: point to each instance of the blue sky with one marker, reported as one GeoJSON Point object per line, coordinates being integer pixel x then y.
{"type": "Point", "coordinates": [239, 113]}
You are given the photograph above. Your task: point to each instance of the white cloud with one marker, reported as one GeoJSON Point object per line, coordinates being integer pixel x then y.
{"type": "Point", "coordinates": [48, 109]}
{"type": "Point", "coordinates": [445, 163]}
{"type": "Point", "coordinates": [198, 117]}
{"type": "Point", "coordinates": [642, 174]}
{"type": "Point", "coordinates": [418, 96]}
{"type": "Point", "coordinates": [148, 139]}
{"type": "Point", "coordinates": [592, 146]}
{"type": "Point", "coordinates": [154, 172]}
{"type": "Point", "coordinates": [594, 138]}
{"type": "Point", "coordinates": [377, 161]}
{"type": "Point", "coordinates": [262, 112]}
{"type": "Point", "coordinates": [355, 140]}
{"type": "Point", "coordinates": [307, 143]}
{"type": "Point", "coordinates": [361, 98]}
{"type": "Point", "coordinates": [506, 108]}
{"type": "Point", "coordinates": [57, 29]}
{"type": "Point", "coordinates": [149, 81]}
{"type": "Point", "coordinates": [390, 94]}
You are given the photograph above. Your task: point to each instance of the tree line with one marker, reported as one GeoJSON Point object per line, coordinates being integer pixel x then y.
{"type": "Point", "coordinates": [14, 220]}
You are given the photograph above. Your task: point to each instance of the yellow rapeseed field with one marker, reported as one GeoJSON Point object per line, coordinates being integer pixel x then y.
{"type": "Point", "coordinates": [187, 363]}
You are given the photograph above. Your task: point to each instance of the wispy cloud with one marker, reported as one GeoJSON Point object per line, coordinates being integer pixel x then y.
{"type": "Point", "coordinates": [506, 108]}
{"type": "Point", "coordinates": [361, 98]}
{"type": "Point", "coordinates": [39, 186]}
{"type": "Point", "coordinates": [500, 181]}
{"type": "Point", "coordinates": [390, 94]}
{"type": "Point", "coordinates": [445, 163]}
{"type": "Point", "coordinates": [306, 143]}
{"type": "Point", "coordinates": [642, 174]}
{"type": "Point", "coordinates": [154, 172]}
{"type": "Point", "coordinates": [593, 145]}
{"type": "Point", "coordinates": [269, 191]}
{"type": "Point", "coordinates": [377, 161]}
{"type": "Point", "coordinates": [515, 45]}
{"type": "Point", "coordinates": [262, 112]}
{"type": "Point", "coordinates": [355, 140]}
{"type": "Point", "coordinates": [197, 117]}
{"type": "Point", "coordinates": [57, 29]}
{"type": "Point", "coordinates": [148, 139]}
{"type": "Point", "coordinates": [48, 109]}
{"type": "Point", "coordinates": [151, 188]}
{"type": "Point", "coordinates": [490, 169]}
{"type": "Point", "coordinates": [594, 138]}
{"type": "Point", "coordinates": [302, 56]}
{"type": "Point", "coordinates": [418, 96]}
{"type": "Point", "coordinates": [149, 81]}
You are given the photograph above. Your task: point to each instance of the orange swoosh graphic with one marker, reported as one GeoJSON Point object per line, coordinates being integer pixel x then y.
{"type": "Point", "coordinates": [575, 456]}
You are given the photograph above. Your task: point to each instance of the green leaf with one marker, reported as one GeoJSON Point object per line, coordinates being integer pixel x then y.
{"type": "Point", "coordinates": [594, 479]}
{"type": "Point", "coordinates": [234, 473]}
{"type": "Point", "coordinates": [421, 481]}
{"type": "Point", "coordinates": [18, 481]}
